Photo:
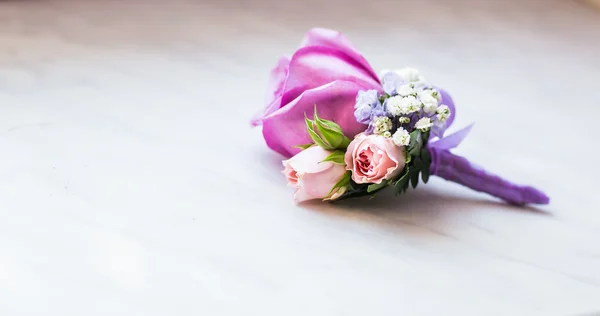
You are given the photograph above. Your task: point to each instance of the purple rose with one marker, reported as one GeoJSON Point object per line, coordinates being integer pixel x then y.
{"type": "Point", "coordinates": [325, 71]}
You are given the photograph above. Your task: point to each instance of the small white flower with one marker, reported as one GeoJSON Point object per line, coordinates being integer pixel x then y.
{"type": "Point", "coordinates": [387, 134]}
{"type": "Point", "coordinates": [424, 124]}
{"type": "Point", "coordinates": [410, 104]}
{"type": "Point", "coordinates": [443, 113]}
{"type": "Point", "coordinates": [404, 120]}
{"type": "Point", "coordinates": [394, 105]}
{"type": "Point", "coordinates": [406, 90]}
{"type": "Point", "coordinates": [443, 109]}
{"type": "Point", "coordinates": [401, 137]}
{"type": "Point", "coordinates": [431, 92]}
{"type": "Point", "coordinates": [381, 125]}
{"type": "Point", "coordinates": [430, 103]}
{"type": "Point", "coordinates": [398, 105]}
{"type": "Point", "coordinates": [410, 75]}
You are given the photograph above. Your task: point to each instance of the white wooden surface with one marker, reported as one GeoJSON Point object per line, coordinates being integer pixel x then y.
{"type": "Point", "coordinates": [131, 184]}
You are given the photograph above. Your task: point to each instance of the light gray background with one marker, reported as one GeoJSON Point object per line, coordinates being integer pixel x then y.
{"type": "Point", "coordinates": [131, 184]}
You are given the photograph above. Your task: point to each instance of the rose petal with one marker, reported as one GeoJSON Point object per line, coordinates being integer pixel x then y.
{"type": "Point", "coordinates": [274, 90]}
{"type": "Point", "coordinates": [290, 174]}
{"type": "Point", "coordinates": [286, 128]}
{"type": "Point", "coordinates": [309, 160]}
{"type": "Point", "coordinates": [334, 39]}
{"type": "Point", "coordinates": [277, 79]}
{"type": "Point", "coordinates": [318, 185]}
{"type": "Point", "coordinates": [314, 66]}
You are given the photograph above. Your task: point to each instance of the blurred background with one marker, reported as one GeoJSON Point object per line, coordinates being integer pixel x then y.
{"type": "Point", "coordinates": [123, 190]}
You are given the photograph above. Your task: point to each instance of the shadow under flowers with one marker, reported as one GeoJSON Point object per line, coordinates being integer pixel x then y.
{"type": "Point", "coordinates": [420, 211]}
{"type": "Point", "coordinates": [428, 207]}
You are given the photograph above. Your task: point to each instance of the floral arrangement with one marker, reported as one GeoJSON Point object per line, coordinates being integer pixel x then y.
{"type": "Point", "coordinates": [365, 133]}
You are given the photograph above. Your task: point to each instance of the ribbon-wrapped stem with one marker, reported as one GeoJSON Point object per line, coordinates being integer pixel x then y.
{"type": "Point", "coordinates": [451, 167]}
{"type": "Point", "coordinates": [459, 170]}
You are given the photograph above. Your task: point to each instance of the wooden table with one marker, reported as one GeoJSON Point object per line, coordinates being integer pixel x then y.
{"type": "Point", "coordinates": [131, 184]}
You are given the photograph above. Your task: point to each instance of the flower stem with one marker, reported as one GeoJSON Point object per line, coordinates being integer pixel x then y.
{"type": "Point", "coordinates": [459, 170]}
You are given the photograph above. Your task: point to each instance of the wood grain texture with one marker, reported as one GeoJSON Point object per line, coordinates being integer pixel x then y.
{"type": "Point", "coordinates": [131, 183]}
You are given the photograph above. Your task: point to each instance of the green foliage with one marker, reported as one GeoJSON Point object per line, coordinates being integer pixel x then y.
{"type": "Point", "coordinates": [325, 133]}
{"type": "Point", "coordinates": [336, 157]}
{"type": "Point", "coordinates": [416, 143]}
{"type": "Point", "coordinates": [314, 136]}
{"type": "Point", "coordinates": [305, 146]}
{"type": "Point", "coordinates": [372, 188]}
{"type": "Point", "coordinates": [418, 162]}
{"type": "Point", "coordinates": [355, 190]}
{"type": "Point", "coordinates": [401, 184]}
{"type": "Point", "coordinates": [343, 182]}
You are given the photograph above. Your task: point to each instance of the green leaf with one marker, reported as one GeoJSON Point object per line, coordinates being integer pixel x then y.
{"type": "Point", "coordinates": [318, 139]}
{"type": "Point", "coordinates": [331, 132]}
{"type": "Point", "coordinates": [425, 137]}
{"type": "Point", "coordinates": [332, 138]}
{"type": "Point", "coordinates": [336, 157]}
{"type": "Point", "coordinates": [375, 187]}
{"type": "Point", "coordinates": [402, 175]}
{"type": "Point", "coordinates": [414, 178]}
{"type": "Point", "coordinates": [416, 143]}
{"type": "Point", "coordinates": [314, 136]}
{"type": "Point", "coordinates": [330, 125]}
{"type": "Point", "coordinates": [400, 184]}
{"type": "Point", "coordinates": [344, 181]}
{"type": "Point", "coordinates": [305, 146]}
{"type": "Point", "coordinates": [425, 174]}
{"type": "Point", "coordinates": [408, 159]}
{"type": "Point", "coordinates": [418, 163]}
{"type": "Point", "coordinates": [426, 157]}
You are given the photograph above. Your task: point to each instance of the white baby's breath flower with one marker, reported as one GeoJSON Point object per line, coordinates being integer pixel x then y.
{"type": "Point", "coordinates": [387, 134]}
{"type": "Point", "coordinates": [406, 90]}
{"type": "Point", "coordinates": [398, 105]}
{"type": "Point", "coordinates": [410, 75]}
{"type": "Point", "coordinates": [381, 125]}
{"type": "Point", "coordinates": [401, 137]}
{"type": "Point", "coordinates": [424, 124]}
{"type": "Point", "coordinates": [430, 103]}
{"type": "Point", "coordinates": [431, 92]}
{"type": "Point", "coordinates": [443, 113]}
{"type": "Point", "coordinates": [404, 120]}
{"type": "Point", "coordinates": [394, 105]}
{"type": "Point", "coordinates": [443, 109]}
{"type": "Point", "coordinates": [410, 104]}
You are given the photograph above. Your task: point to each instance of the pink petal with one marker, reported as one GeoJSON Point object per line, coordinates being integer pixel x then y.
{"type": "Point", "coordinates": [309, 160]}
{"type": "Point", "coordinates": [277, 79]}
{"type": "Point", "coordinates": [285, 128]}
{"type": "Point", "coordinates": [318, 185]}
{"type": "Point", "coordinates": [334, 39]}
{"type": "Point", "coordinates": [274, 90]}
{"type": "Point", "coordinates": [315, 66]}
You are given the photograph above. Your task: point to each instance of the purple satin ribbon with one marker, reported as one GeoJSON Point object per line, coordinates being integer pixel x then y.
{"type": "Point", "coordinates": [457, 169]}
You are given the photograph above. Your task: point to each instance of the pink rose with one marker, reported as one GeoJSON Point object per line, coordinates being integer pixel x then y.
{"type": "Point", "coordinates": [374, 158]}
{"type": "Point", "coordinates": [312, 178]}
{"type": "Point", "coordinates": [325, 71]}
